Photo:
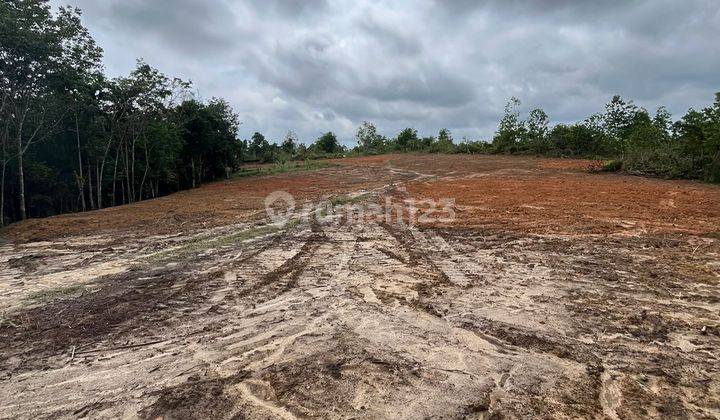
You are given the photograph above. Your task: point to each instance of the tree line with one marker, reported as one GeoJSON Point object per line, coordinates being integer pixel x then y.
{"type": "Point", "coordinates": [633, 139]}
{"type": "Point", "coordinates": [74, 139]}
{"type": "Point", "coordinates": [626, 135]}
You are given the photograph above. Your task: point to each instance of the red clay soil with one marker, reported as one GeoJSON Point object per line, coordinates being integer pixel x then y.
{"type": "Point", "coordinates": [461, 164]}
{"type": "Point", "coordinates": [542, 195]}
{"type": "Point", "coordinates": [524, 193]}
{"type": "Point", "coordinates": [579, 203]}
{"type": "Point", "coordinates": [215, 204]}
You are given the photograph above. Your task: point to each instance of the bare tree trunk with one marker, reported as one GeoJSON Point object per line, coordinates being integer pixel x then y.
{"type": "Point", "coordinates": [122, 192]}
{"type": "Point", "coordinates": [128, 196]}
{"type": "Point", "coordinates": [117, 156]}
{"type": "Point", "coordinates": [23, 148]}
{"type": "Point", "coordinates": [100, 172]}
{"type": "Point", "coordinates": [21, 174]}
{"type": "Point", "coordinates": [98, 182]}
{"type": "Point", "coordinates": [81, 179]}
{"type": "Point", "coordinates": [132, 167]}
{"type": "Point", "coordinates": [2, 191]}
{"type": "Point", "coordinates": [192, 167]}
{"type": "Point", "coordinates": [5, 161]}
{"type": "Point", "coordinates": [147, 165]}
{"type": "Point", "coordinates": [90, 187]}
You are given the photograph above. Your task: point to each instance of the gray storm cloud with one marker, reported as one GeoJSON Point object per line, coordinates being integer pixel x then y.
{"type": "Point", "coordinates": [313, 66]}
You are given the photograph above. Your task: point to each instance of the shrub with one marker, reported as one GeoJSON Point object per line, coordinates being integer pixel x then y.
{"type": "Point", "coordinates": [612, 166]}
{"type": "Point", "coordinates": [664, 162]}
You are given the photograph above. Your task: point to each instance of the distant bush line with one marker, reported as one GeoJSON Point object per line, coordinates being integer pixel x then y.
{"type": "Point", "coordinates": [626, 135]}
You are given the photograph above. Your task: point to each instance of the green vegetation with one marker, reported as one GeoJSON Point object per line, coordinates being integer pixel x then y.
{"type": "Point", "coordinates": [341, 200]}
{"type": "Point", "coordinates": [203, 243]}
{"type": "Point", "coordinates": [613, 166]}
{"type": "Point", "coordinates": [634, 140]}
{"type": "Point", "coordinates": [626, 135]}
{"type": "Point", "coordinates": [72, 139]}
{"type": "Point", "coordinates": [49, 295]}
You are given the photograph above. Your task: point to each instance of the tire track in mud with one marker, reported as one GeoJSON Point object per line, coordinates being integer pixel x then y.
{"type": "Point", "coordinates": [35, 337]}
{"type": "Point", "coordinates": [284, 386]}
{"type": "Point", "coordinates": [137, 303]}
{"type": "Point", "coordinates": [505, 336]}
{"type": "Point", "coordinates": [176, 293]}
{"type": "Point", "coordinates": [593, 357]}
{"type": "Point", "coordinates": [295, 332]}
{"type": "Point", "coordinates": [637, 357]}
{"type": "Point", "coordinates": [196, 398]}
{"type": "Point", "coordinates": [283, 278]}
{"type": "Point", "coordinates": [502, 334]}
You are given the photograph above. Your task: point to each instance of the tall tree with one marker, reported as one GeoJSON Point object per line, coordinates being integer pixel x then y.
{"type": "Point", "coordinates": [5, 156]}
{"type": "Point", "coordinates": [407, 139]}
{"type": "Point", "coordinates": [618, 119]}
{"type": "Point", "coordinates": [444, 143]}
{"type": "Point", "coordinates": [511, 129]}
{"type": "Point", "coordinates": [537, 130]}
{"type": "Point", "coordinates": [368, 139]}
{"type": "Point", "coordinates": [39, 55]}
{"type": "Point", "coordinates": [289, 144]}
{"type": "Point", "coordinates": [328, 143]}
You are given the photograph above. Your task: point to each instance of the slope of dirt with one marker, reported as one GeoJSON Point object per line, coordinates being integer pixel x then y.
{"type": "Point", "coordinates": [211, 205]}
{"type": "Point", "coordinates": [581, 203]}
{"type": "Point", "coordinates": [553, 294]}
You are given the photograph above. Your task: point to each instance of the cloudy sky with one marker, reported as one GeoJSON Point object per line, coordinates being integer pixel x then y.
{"type": "Point", "coordinates": [318, 65]}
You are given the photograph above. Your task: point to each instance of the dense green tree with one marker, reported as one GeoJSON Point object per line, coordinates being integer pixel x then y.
{"type": "Point", "coordinates": [368, 139]}
{"type": "Point", "coordinates": [209, 137]}
{"type": "Point", "coordinates": [327, 144]}
{"type": "Point", "coordinates": [573, 140]}
{"type": "Point", "coordinates": [42, 56]}
{"type": "Point", "coordinates": [289, 144]}
{"type": "Point", "coordinates": [641, 143]}
{"type": "Point", "coordinates": [407, 139]}
{"type": "Point", "coordinates": [663, 121]}
{"type": "Point", "coordinates": [536, 133]}
{"type": "Point", "coordinates": [260, 149]}
{"type": "Point", "coordinates": [697, 136]}
{"type": "Point", "coordinates": [427, 142]}
{"type": "Point", "coordinates": [618, 119]}
{"type": "Point", "coordinates": [76, 140]}
{"type": "Point", "coordinates": [444, 143]}
{"type": "Point", "coordinates": [511, 130]}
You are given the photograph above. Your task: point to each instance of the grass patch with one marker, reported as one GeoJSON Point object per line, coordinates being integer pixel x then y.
{"type": "Point", "coordinates": [43, 296]}
{"type": "Point", "coordinates": [201, 244]}
{"type": "Point", "coordinates": [614, 165]}
{"type": "Point", "coordinates": [345, 199]}
{"type": "Point", "coordinates": [712, 235]}
{"type": "Point", "coordinates": [281, 168]}
{"type": "Point", "coordinates": [247, 234]}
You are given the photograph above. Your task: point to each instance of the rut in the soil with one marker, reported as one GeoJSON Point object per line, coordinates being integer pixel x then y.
{"type": "Point", "coordinates": [376, 320]}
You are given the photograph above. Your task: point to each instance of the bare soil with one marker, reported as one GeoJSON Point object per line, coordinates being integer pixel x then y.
{"type": "Point", "coordinates": [554, 293]}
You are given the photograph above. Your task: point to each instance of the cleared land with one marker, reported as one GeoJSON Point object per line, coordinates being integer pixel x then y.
{"type": "Point", "coordinates": [554, 293]}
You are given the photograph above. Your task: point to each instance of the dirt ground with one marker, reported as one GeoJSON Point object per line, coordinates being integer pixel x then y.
{"type": "Point", "coordinates": [552, 293]}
